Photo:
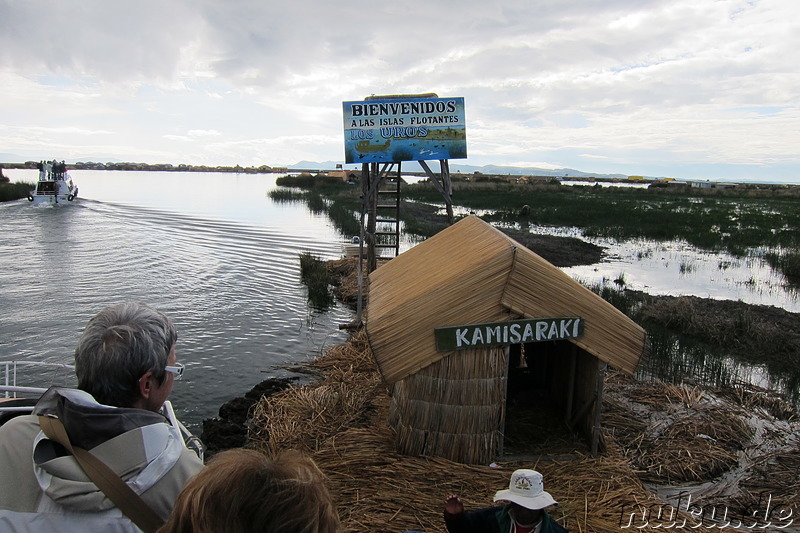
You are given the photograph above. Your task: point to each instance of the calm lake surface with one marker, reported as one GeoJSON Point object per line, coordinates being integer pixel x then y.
{"type": "Point", "coordinates": [210, 250]}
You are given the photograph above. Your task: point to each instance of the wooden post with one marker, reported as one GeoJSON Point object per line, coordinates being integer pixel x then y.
{"type": "Point", "coordinates": [447, 185]}
{"type": "Point", "coordinates": [365, 181]}
{"type": "Point", "coordinates": [445, 188]}
{"type": "Point", "coordinates": [598, 406]}
{"type": "Point", "coordinates": [502, 428]}
{"type": "Point", "coordinates": [573, 360]}
{"type": "Point", "coordinates": [372, 203]}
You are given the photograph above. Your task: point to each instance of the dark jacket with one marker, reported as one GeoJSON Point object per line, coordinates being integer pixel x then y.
{"type": "Point", "coordinates": [492, 520]}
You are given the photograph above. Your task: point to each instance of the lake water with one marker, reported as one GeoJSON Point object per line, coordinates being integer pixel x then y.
{"type": "Point", "coordinates": [210, 250]}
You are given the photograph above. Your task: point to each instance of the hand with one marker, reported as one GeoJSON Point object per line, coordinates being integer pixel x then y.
{"type": "Point", "coordinates": [453, 505]}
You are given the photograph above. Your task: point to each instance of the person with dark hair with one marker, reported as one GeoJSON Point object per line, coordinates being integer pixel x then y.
{"type": "Point", "coordinates": [524, 512]}
{"type": "Point", "coordinates": [126, 366]}
{"type": "Point", "coordinates": [244, 491]}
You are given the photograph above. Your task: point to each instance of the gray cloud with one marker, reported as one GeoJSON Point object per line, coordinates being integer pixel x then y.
{"type": "Point", "coordinates": [540, 77]}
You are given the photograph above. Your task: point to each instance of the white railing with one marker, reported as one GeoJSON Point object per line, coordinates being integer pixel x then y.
{"type": "Point", "coordinates": [10, 390]}
{"type": "Point", "coordinates": [8, 376]}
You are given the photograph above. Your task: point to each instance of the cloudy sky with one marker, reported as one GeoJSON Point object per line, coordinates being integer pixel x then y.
{"type": "Point", "coordinates": [680, 88]}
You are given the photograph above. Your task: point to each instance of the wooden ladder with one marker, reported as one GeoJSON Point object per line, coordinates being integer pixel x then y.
{"type": "Point", "coordinates": [387, 214]}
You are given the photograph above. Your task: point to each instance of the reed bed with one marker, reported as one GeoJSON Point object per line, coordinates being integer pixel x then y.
{"type": "Point", "coordinates": [15, 191]}
{"type": "Point", "coordinates": [777, 473]}
{"type": "Point", "coordinates": [344, 274]}
{"type": "Point", "coordinates": [305, 417]}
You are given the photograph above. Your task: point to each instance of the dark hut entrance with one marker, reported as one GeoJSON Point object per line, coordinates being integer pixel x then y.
{"type": "Point", "coordinates": [551, 399]}
{"type": "Point", "coordinates": [535, 401]}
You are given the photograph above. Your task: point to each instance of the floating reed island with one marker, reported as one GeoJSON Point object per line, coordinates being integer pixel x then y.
{"type": "Point", "coordinates": [729, 448]}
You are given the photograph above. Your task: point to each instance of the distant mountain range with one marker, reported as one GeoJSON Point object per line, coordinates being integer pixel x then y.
{"type": "Point", "coordinates": [410, 166]}
{"type": "Point", "coordinates": [470, 169]}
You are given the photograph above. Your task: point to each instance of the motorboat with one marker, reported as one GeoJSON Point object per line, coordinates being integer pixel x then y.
{"type": "Point", "coordinates": [353, 248]}
{"type": "Point", "coordinates": [17, 399]}
{"type": "Point", "coordinates": [55, 185]}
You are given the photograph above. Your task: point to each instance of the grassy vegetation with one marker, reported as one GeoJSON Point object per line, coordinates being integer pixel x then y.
{"type": "Point", "coordinates": [787, 262]}
{"type": "Point", "coordinates": [15, 191]}
{"type": "Point", "coordinates": [713, 219]}
{"type": "Point", "coordinates": [316, 277]}
{"type": "Point", "coordinates": [287, 195]}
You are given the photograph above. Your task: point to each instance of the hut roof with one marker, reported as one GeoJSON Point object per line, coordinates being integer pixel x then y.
{"type": "Point", "coordinates": [472, 273]}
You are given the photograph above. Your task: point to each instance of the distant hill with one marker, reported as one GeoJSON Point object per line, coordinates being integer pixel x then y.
{"type": "Point", "coordinates": [470, 169]}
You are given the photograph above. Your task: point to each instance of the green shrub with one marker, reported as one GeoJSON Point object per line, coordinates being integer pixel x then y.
{"type": "Point", "coordinates": [314, 274]}
{"type": "Point", "coordinates": [286, 195]}
{"type": "Point", "coordinates": [15, 191]}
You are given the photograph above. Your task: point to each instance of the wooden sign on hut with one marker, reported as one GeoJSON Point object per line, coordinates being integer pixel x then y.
{"type": "Point", "coordinates": [470, 321]}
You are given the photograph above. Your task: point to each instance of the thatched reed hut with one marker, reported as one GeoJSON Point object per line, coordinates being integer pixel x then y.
{"type": "Point", "coordinates": [469, 327]}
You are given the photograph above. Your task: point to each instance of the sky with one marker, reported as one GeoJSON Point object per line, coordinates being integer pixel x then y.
{"type": "Point", "coordinates": [689, 89]}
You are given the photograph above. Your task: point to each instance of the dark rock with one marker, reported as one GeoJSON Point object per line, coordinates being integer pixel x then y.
{"type": "Point", "coordinates": [230, 429]}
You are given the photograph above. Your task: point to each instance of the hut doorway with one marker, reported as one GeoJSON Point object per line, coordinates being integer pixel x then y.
{"type": "Point", "coordinates": [536, 400]}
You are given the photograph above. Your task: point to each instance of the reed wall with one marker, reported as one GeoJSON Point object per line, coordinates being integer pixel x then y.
{"type": "Point", "coordinates": [453, 408]}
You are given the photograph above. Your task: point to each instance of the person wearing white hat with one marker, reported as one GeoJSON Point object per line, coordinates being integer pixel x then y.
{"type": "Point", "coordinates": [525, 512]}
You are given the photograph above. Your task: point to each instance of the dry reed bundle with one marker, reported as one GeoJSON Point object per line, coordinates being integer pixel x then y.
{"type": "Point", "coordinates": [653, 394]}
{"type": "Point", "coordinates": [304, 417]}
{"type": "Point", "coordinates": [690, 397]}
{"type": "Point", "coordinates": [354, 354]}
{"type": "Point", "coordinates": [344, 273]}
{"type": "Point", "coordinates": [717, 423]}
{"type": "Point", "coordinates": [617, 418]}
{"type": "Point", "coordinates": [751, 397]}
{"type": "Point", "coordinates": [678, 460]}
{"type": "Point", "coordinates": [776, 475]}
{"type": "Point", "coordinates": [686, 437]}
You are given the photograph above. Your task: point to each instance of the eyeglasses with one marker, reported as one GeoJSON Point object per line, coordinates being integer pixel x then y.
{"type": "Point", "coordinates": [176, 369]}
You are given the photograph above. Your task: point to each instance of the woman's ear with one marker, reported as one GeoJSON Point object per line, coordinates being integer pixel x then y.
{"type": "Point", "coordinates": [145, 385]}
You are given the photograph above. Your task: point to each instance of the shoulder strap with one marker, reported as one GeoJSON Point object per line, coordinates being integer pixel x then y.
{"type": "Point", "coordinates": [127, 501]}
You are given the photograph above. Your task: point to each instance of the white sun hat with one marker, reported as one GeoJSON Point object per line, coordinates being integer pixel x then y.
{"type": "Point", "coordinates": [526, 488]}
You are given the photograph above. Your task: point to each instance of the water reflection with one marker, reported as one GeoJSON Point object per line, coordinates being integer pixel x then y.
{"type": "Point", "coordinates": [678, 360]}
{"type": "Point", "coordinates": [679, 269]}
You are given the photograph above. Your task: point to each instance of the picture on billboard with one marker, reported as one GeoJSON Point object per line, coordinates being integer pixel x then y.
{"type": "Point", "coordinates": [404, 129]}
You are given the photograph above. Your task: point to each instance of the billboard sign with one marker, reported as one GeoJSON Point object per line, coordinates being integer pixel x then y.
{"type": "Point", "coordinates": [404, 129]}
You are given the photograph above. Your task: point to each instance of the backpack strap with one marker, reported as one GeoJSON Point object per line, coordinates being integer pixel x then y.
{"type": "Point", "coordinates": [126, 500]}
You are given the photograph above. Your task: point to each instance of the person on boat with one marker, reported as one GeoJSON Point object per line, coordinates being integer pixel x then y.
{"type": "Point", "coordinates": [126, 365]}
{"type": "Point", "coordinates": [245, 491]}
{"type": "Point", "coordinates": [524, 512]}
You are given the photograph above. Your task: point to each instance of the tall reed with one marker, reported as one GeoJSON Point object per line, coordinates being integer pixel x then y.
{"type": "Point", "coordinates": [317, 279]}
{"type": "Point", "coordinates": [15, 191]}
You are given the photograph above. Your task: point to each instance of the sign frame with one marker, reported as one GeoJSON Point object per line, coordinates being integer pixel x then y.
{"type": "Point", "coordinates": [404, 128]}
{"type": "Point", "coordinates": [472, 336]}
